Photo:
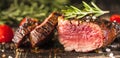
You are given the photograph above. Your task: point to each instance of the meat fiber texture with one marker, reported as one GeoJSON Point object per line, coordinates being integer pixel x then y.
{"type": "Point", "coordinates": [83, 36]}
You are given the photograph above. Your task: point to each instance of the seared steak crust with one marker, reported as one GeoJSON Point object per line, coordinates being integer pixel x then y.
{"type": "Point", "coordinates": [24, 30]}
{"type": "Point", "coordinates": [41, 32]}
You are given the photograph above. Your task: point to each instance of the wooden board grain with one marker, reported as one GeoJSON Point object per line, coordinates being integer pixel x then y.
{"type": "Point", "coordinates": [51, 54]}
{"type": "Point", "coordinates": [8, 50]}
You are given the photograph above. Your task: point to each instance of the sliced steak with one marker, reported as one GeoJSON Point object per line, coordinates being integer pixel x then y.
{"type": "Point", "coordinates": [82, 35]}
{"type": "Point", "coordinates": [24, 30]}
{"type": "Point", "coordinates": [41, 32]}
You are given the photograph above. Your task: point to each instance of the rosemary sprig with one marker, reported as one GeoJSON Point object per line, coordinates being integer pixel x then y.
{"type": "Point", "coordinates": [72, 11]}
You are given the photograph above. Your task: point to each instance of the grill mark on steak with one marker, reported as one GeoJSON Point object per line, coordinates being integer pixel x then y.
{"type": "Point", "coordinates": [23, 31]}
{"type": "Point", "coordinates": [102, 34]}
{"type": "Point", "coordinates": [41, 32]}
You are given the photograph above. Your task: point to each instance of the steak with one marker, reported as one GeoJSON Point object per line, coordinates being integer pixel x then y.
{"type": "Point", "coordinates": [23, 31]}
{"type": "Point", "coordinates": [41, 32]}
{"type": "Point", "coordinates": [84, 35]}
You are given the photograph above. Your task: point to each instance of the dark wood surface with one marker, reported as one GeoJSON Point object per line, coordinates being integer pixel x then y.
{"type": "Point", "coordinates": [8, 50]}
{"type": "Point", "coordinates": [51, 54]}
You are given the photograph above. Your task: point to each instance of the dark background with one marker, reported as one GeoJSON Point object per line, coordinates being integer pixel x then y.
{"type": "Point", "coordinates": [14, 17]}
{"type": "Point", "coordinates": [112, 5]}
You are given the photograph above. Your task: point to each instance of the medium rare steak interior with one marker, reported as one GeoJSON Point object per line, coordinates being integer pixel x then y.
{"type": "Point", "coordinates": [82, 35]}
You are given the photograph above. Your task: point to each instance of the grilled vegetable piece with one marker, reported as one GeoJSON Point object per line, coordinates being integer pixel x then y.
{"type": "Point", "coordinates": [41, 32]}
{"type": "Point", "coordinates": [86, 34]}
{"type": "Point", "coordinates": [24, 30]}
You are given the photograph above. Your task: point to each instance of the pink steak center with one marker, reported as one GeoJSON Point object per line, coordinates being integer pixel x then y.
{"type": "Point", "coordinates": [81, 37]}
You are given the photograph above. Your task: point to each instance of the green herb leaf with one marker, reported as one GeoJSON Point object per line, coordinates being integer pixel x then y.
{"type": "Point", "coordinates": [18, 9]}
{"type": "Point", "coordinates": [73, 12]}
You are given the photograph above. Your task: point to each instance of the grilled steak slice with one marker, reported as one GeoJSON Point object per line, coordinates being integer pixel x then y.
{"type": "Point", "coordinates": [41, 32]}
{"type": "Point", "coordinates": [85, 35]}
{"type": "Point", "coordinates": [23, 31]}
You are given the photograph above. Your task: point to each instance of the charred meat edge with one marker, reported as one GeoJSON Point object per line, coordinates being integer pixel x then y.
{"type": "Point", "coordinates": [24, 30]}
{"type": "Point", "coordinates": [41, 32]}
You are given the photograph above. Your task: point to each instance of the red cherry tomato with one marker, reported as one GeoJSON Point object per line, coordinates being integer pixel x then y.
{"type": "Point", "coordinates": [6, 33]}
{"type": "Point", "coordinates": [115, 18]}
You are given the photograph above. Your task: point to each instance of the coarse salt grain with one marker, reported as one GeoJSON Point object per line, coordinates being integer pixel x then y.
{"type": "Point", "coordinates": [108, 50]}
{"type": "Point", "coordinates": [87, 20]}
{"type": "Point", "coordinates": [3, 50]}
{"type": "Point", "coordinates": [93, 17]}
{"type": "Point", "coordinates": [88, 17]}
{"type": "Point", "coordinates": [10, 57]}
{"type": "Point", "coordinates": [111, 55]}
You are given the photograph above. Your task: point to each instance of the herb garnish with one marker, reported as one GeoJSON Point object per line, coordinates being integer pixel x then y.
{"type": "Point", "coordinates": [73, 12]}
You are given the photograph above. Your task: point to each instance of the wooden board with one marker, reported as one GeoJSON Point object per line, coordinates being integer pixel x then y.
{"type": "Point", "coordinates": [8, 50]}
{"type": "Point", "coordinates": [51, 54]}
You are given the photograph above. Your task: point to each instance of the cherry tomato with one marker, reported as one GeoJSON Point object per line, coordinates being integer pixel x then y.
{"type": "Point", "coordinates": [115, 18]}
{"type": "Point", "coordinates": [6, 33]}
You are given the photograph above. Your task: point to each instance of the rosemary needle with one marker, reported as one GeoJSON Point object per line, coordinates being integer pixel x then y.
{"type": "Point", "coordinates": [72, 11]}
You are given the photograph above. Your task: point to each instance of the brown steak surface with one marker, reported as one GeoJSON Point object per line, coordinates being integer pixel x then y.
{"type": "Point", "coordinates": [41, 32]}
{"type": "Point", "coordinates": [23, 31]}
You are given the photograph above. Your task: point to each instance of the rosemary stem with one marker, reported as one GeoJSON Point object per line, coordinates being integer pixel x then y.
{"type": "Point", "coordinates": [87, 9]}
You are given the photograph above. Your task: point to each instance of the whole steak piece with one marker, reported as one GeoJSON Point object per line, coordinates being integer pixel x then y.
{"type": "Point", "coordinates": [39, 35]}
{"type": "Point", "coordinates": [84, 35]}
{"type": "Point", "coordinates": [23, 31]}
